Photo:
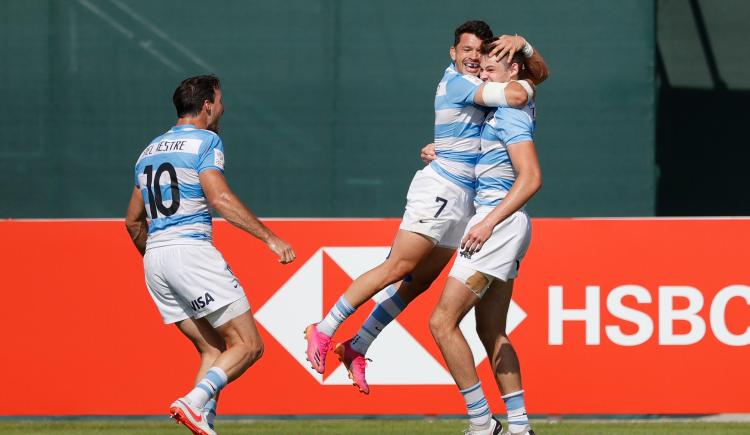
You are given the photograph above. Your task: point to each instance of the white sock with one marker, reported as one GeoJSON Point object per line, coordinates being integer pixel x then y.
{"type": "Point", "coordinates": [340, 311]}
{"type": "Point", "coordinates": [211, 384]}
{"type": "Point", "coordinates": [476, 405]}
{"type": "Point", "coordinates": [379, 318]}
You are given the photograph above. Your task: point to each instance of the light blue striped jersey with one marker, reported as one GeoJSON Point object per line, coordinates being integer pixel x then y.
{"type": "Point", "coordinates": [494, 171]}
{"type": "Point", "coordinates": [458, 123]}
{"type": "Point", "coordinates": [167, 174]}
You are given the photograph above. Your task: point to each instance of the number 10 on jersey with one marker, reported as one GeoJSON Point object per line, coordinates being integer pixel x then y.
{"type": "Point", "coordinates": [155, 202]}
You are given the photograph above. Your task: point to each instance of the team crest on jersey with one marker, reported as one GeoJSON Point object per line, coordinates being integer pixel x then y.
{"type": "Point", "coordinates": [219, 158]}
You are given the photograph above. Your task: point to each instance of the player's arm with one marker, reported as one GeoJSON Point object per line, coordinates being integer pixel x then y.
{"type": "Point", "coordinates": [135, 221]}
{"type": "Point", "coordinates": [221, 198]}
{"type": "Point", "coordinates": [528, 182]}
{"type": "Point", "coordinates": [536, 70]}
{"type": "Point", "coordinates": [468, 89]}
{"type": "Point", "coordinates": [508, 94]}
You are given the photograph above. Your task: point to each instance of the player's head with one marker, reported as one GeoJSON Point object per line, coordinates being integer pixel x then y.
{"type": "Point", "coordinates": [502, 70]}
{"type": "Point", "coordinates": [200, 96]}
{"type": "Point", "coordinates": [468, 39]}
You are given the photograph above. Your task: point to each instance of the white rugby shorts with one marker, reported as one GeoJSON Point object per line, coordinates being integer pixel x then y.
{"type": "Point", "coordinates": [189, 281]}
{"type": "Point", "coordinates": [437, 208]}
{"type": "Point", "coordinates": [501, 255]}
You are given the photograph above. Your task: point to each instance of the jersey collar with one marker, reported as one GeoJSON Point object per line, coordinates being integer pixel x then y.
{"type": "Point", "coordinates": [182, 127]}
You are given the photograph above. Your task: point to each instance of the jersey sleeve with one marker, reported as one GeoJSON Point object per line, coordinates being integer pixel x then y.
{"type": "Point", "coordinates": [137, 171]}
{"type": "Point", "coordinates": [211, 155]}
{"type": "Point", "coordinates": [514, 126]}
{"type": "Point", "coordinates": [461, 89]}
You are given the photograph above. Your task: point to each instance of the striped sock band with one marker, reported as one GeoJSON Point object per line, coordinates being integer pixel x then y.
{"type": "Point", "coordinates": [207, 388]}
{"type": "Point", "coordinates": [379, 318]}
{"type": "Point", "coordinates": [518, 421]}
{"type": "Point", "coordinates": [340, 311]}
{"type": "Point", "coordinates": [476, 405]}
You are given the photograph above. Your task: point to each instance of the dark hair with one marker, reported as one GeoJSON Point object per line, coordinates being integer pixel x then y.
{"type": "Point", "coordinates": [517, 56]}
{"type": "Point", "coordinates": [480, 29]}
{"type": "Point", "coordinates": [188, 98]}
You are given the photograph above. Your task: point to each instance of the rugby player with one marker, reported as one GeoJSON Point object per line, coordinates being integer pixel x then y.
{"type": "Point", "coordinates": [178, 180]}
{"type": "Point", "coordinates": [439, 201]}
{"type": "Point", "coordinates": [496, 240]}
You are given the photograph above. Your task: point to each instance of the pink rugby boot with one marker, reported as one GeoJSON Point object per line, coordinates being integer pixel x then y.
{"type": "Point", "coordinates": [355, 364]}
{"type": "Point", "coordinates": [318, 345]}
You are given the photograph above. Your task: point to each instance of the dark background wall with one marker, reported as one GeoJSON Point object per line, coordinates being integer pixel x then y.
{"type": "Point", "coordinates": [327, 101]}
{"type": "Point", "coordinates": [704, 94]}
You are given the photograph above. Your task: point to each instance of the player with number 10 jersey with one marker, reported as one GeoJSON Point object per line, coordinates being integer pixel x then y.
{"type": "Point", "coordinates": [178, 178]}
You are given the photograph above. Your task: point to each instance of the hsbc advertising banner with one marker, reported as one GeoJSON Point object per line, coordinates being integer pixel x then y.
{"type": "Point", "coordinates": [608, 316]}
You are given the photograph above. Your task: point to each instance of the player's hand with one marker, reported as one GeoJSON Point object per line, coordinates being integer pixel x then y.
{"type": "Point", "coordinates": [428, 153]}
{"type": "Point", "coordinates": [507, 45]}
{"type": "Point", "coordinates": [475, 238]}
{"type": "Point", "coordinates": [282, 250]}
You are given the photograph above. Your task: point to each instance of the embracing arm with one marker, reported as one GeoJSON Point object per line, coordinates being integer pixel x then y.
{"type": "Point", "coordinates": [509, 94]}
{"type": "Point", "coordinates": [221, 198]}
{"type": "Point", "coordinates": [135, 221]}
{"type": "Point", "coordinates": [535, 71]}
{"type": "Point", "coordinates": [528, 182]}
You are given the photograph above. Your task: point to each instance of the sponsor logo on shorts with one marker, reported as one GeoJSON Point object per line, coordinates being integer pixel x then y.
{"type": "Point", "coordinates": [201, 302]}
{"type": "Point", "coordinates": [466, 254]}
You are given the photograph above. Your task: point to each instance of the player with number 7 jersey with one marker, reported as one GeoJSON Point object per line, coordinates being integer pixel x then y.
{"type": "Point", "coordinates": [439, 202]}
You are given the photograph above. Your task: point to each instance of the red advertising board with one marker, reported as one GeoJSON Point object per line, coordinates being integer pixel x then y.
{"type": "Point", "coordinates": [608, 316]}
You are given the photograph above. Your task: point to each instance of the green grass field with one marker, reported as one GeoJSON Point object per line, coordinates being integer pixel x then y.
{"type": "Point", "coordinates": [373, 427]}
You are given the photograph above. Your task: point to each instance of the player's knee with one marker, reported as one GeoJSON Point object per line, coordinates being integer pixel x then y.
{"type": "Point", "coordinates": [490, 333]}
{"type": "Point", "coordinates": [439, 327]}
{"type": "Point", "coordinates": [254, 350]}
{"type": "Point", "coordinates": [210, 353]}
{"type": "Point", "coordinates": [258, 350]}
{"type": "Point", "coordinates": [250, 351]}
{"type": "Point", "coordinates": [492, 338]}
{"type": "Point", "coordinates": [397, 269]}
{"type": "Point", "coordinates": [419, 285]}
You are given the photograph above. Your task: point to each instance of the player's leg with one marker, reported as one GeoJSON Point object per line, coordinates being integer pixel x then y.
{"type": "Point", "coordinates": [235, 325]}
{"type": "Point", "coordinates": [352, 352]}
{"type": "Point", "coordinates": [209, 345]}
{"type": "Point", "coordinates": [211, 293]}
{"type": "Point", "coordinates": [409, 289]}
{"type": "Point", "coordinates": [408, 250]}
{"type": "Point", "coordinates": [158, 263]}
{"type": "Point", "coordinates": [491, 315]}
{"type": "Point", "coordinates": [433, 207]}
{"type": "Point", "coordinates": [206, 341]}
{"type": "Point", "coordinates": [462, 291]}
{"type": "Point", "coordinates": [425, 273]}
